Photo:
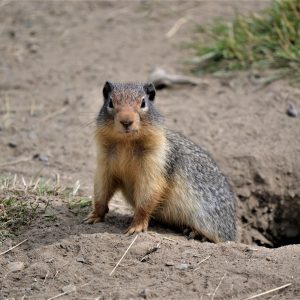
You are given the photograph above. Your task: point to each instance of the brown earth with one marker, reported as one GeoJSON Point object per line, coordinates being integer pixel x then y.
{"type": "Point", "coordinates": [54, 58]}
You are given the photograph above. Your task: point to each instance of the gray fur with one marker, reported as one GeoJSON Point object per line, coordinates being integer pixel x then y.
{"type": "Point", "coordinates": [206, 185]}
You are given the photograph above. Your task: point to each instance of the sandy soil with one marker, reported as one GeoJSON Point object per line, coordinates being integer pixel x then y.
{"type": "Point", "coordinates": [54, 58]}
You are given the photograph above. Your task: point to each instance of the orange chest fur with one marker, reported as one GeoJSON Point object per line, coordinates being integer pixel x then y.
{"type": "Point", "coordinates": [123, 161]}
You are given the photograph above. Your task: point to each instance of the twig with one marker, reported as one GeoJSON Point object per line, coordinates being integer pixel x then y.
{"type": "Point", "coordinates": [269, 291]}
{"type": "Point", "coordinates": [17, 161]}
{"type": "Point", "coordinates": [13, 247]}
{"type": "Point", "coordinates": [54, 114]}
{"type": "Point", "coordinates": [175, 27]}
{"type": "Point", "coordinates": [151, 250]}
{"type": "Point", "coordinates": [46, 277]}
{"type": "Point", "coordinates": [158, 235]}
{"type": "Point", "coordinates": [123, 256]}
{"type": "Point", "coordinates": [213, 296]}
{"type": "Point", "coordinates": [168, 239]}
{"type": "Point", "coordinates": [203, 260]}
{"type": "Point", "coordinates": [32, 107]}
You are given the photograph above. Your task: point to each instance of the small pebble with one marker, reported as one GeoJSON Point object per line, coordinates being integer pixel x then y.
{"type": "Point", "coordinates": [16, 266]}
{"type": "Point", "coordinates": [82, 259]}
{"type": "Point", "coordinates": [69, 288]}
{"type": "Point", "coordinates": [33, 48]}
{"type": "Point", "coordinates": [41, 157]}
{"type": "Point", "coordinates": [291, 110]}
{"type": "Point", "coordinates": [182, 266]}
{"type": "Point", "coordinates": [146, 293]}
{"type": "Point", "coordinates": [12, 145]}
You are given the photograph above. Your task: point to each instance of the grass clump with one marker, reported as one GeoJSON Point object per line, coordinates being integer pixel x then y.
{"type": "Point", "coordinates": [267, 40]}
{"type": "Point", "coordinates": [22, 202]}
{"type": "Point", "coordinates": [15, 213]}
{"type": "Point", "coordinates": [80, 206]}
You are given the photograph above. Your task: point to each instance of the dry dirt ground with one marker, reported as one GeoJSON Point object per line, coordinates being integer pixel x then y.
{"type": "Point", "coordinates": [54, 58]}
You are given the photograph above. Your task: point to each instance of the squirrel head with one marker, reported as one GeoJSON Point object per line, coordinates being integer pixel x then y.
{"type": "Point", "coordinates": [127, 109]}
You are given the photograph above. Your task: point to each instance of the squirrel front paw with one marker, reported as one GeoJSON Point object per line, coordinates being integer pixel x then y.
{"type": "Point", "coordinates": [93, 218]}
{"type": "Point", "coordinates": [136, 228]}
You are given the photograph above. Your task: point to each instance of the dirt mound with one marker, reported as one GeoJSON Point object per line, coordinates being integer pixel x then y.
{"type": "Point", "coordinates": [54, 58]}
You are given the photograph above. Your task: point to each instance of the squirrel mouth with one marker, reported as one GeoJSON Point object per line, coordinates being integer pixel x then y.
{"type": "Point", "coordinates": [128, 131]}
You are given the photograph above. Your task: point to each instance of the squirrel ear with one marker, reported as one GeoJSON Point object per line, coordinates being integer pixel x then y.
{"type": "Point", "coordinates": [107, 89]}
{"type": "Point", "coordinates": [150, 91]}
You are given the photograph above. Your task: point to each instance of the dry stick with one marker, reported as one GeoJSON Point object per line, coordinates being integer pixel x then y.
{"type": "Point", "coordinates": [168, 239]}
{"type": "Point", "coordinates": [165, 238]}
{"type": "Point", "coordinates": [13, 247]}
{"type": "Point", "coordinates": [46, 277]}
{"type": "Point", "coordinates": [213, 296]}
{"type": "Point", "coordinates": [17, 161]}
{"type": "Point", "coordinates": [269, 291]}
{"type": "Point", "coordinates": [123, 256]}
{"type": "Point", "coordinates": [175, 27]}
{"type": "Point", "coordinates": [58, 112]}
{"type": "Point", "coordinates": [150, 251]}
{"type": "Point", "coordinates": [203, 260]}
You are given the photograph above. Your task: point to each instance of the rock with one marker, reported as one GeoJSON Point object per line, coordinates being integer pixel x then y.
{"type": "Point", "coordinates": [291, 110]}
{"type": "Point", "coordinates": [16, 266]}
{"type": "Point", "coordinates": [244, 192]}
{"type": "Point", "coordinates": [33, 48]}
{"type": "Point", "coordinates": [12, 144]}
{"type": "Point", "coordinates": [69, 288]}
{"type": "Point", "coordinates": [147, 294]}
{"type": "Point", "coordinates": [169, 264]}
{"type": "Point", "coordinates": [259, 178]}
{"type": "Point", "coordinates": [41, 157]}
{"type": "Point", "coordinates": [182, 266]}
{"type": "Point", "coordinates": [83, 260]}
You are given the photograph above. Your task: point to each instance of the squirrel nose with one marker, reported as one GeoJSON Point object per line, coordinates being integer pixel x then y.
{"type": "Point", "coordinates": [126, 123]}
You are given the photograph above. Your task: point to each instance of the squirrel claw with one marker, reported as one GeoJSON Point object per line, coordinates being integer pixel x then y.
{"type": "Point", "coordinates": [92, 218]}
{"type": "Point", "coordinates": [136, 229]}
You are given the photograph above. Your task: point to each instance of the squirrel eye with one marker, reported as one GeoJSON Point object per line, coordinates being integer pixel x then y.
{"type": "Point", "coordinates": [110, 103]}
{"type": "Point", "coordinates": [143, 103]}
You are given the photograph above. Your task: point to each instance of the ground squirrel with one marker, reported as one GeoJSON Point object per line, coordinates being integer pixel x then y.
{"type": "Point", "coordinates": [160, 172]}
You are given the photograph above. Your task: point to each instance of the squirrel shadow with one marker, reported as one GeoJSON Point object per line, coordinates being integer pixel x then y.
{"type": "Point", "coordinates": [44, 230]}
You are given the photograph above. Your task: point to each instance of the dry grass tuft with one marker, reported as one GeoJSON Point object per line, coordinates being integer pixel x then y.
{"type": "Point", "coordinates": [22, 202]}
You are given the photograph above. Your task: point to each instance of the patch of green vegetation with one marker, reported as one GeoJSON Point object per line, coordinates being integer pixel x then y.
{"type": "Point", "coordinates": [261, 41]}
{"type": "Point", "coordinates": [43, 188]}
{"type": "Point", "coordinates": [22, 202]}
{"type": "Point", "coordinates": [15, 212]}
{"type": "Point", "coordinates": [79, 205]}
